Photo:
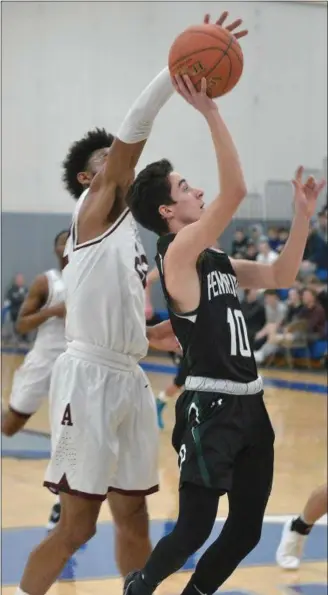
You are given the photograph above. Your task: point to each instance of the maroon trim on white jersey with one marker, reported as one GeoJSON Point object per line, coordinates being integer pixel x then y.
{"type": "Point", "coordinates": [98, 239]}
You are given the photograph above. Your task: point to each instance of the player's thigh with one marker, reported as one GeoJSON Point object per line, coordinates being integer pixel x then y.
{"type": "Point", "coordinates": [207, 437]}
{"type": "Point", "coordinates": [84, 420]}
{"type": "Point", "coordinates": [138, 435]}
{"type": "Point", "coordinates": [31, 384]}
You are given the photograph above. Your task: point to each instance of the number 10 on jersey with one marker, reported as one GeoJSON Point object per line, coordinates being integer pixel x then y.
{"type": "Point", "coordinates": [238, 331]}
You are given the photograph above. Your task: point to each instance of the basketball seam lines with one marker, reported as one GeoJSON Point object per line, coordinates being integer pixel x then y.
{"type": "Point", "coordinates": [225, 53]}
{"type": "Point", "coordinates": [232, 40]}
{"type": "Point", "coordinates": [230, 46]}
{"type": "Point", "coordinates": [197, 52]}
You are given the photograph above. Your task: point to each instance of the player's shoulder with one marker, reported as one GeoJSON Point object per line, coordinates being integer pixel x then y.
{"type": "Point", "coordinates": [163, 242]}
{"type": "Point", "coordinates": [40, 284]}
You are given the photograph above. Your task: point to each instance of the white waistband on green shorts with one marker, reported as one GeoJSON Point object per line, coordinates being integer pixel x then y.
{"type": "Point", "coordinates": [213, 385]}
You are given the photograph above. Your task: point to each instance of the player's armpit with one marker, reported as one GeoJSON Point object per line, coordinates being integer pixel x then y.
{"type": "Point", "coordinates": [182, 282]}
{"type": "Point", "coordinates": [254, 275]}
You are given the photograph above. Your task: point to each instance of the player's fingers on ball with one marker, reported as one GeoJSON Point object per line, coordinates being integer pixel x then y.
{"type": "Point", "coordinates": [176, 86]}
{"type": "Point", "coordinates": [203, 86]}
{"type": "Point", "coordinates": [240, 34]}
{"type": "Point", "coordinates": [181, 88]}
{"type": "Point", "coordinates": [234, 25]}
{"type": "Point", "coordinates": [207, 19]}
{"type": "Point", "coordinates": [174, 83]}
{"type": "Point", "coordinates": [222, 18]}
{"type": "Point", "coordinates": [189, 84]}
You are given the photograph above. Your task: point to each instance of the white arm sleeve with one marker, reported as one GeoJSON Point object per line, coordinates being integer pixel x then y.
{"type": "Point", "coordinates": [139, 120]}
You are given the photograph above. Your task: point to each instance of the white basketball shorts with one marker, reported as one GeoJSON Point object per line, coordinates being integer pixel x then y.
{"type": "Point", "coordinates": [104, 429]}
{"type": "Point", "coordinates": [31, 382]}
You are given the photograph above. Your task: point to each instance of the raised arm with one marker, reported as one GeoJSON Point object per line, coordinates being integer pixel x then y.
{"type": "Point", "coordinates": [182, 254]}
{"type": "Point", "coordinates": [118, 172]}
{"type": "Point", "coordinates": [283, 271]}
{"type": "Point", "coordinates": [194, 238]}
{"type": "Point", "coordinates": [31, 316]}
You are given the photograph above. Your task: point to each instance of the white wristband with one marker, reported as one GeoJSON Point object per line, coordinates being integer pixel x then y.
{"type": "Point", "coordinates": [139, 120]}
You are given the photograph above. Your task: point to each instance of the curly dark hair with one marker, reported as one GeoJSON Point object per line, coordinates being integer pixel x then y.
{"type": "Point", "coordinates": [78, 156]}
{"type": "Point", "coordinates": [150, 190]}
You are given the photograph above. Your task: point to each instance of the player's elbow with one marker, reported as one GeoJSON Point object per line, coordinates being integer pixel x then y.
{"type": "Point", "coordinates": [21, 326]}
{"type": "Point", "coordinates": [240, 191]}
{"type": "Point", "coordinates": [281, 277]}
{"type": "Point", "coordinates": [234, 194]}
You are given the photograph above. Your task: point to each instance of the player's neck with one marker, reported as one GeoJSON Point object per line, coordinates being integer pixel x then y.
{"type": "Point", "coordinates": [176, 226]}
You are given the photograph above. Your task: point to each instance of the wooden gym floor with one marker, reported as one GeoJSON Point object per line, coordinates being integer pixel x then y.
{"type": "Point", "coordinates": [297, 404]}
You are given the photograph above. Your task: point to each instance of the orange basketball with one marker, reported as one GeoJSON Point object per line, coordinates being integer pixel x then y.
{"type": "Point", "coordinates": [208, 51]}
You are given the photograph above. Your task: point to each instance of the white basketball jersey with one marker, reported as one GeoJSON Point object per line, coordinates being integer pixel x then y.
{"type": "Point", "coordinates": [51, 334]}
{"type": "Point", "coordinates": [104, 281]}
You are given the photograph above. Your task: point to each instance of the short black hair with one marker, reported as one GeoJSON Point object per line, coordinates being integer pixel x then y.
{"type": "Point", "coordinates": [59, 235]}
{"type": "Point", "coordinates": [78, 156]}
{"type": "Point", "coordinates": [271, 292]}
{"type": "Point", "coordinates": [149, 191]}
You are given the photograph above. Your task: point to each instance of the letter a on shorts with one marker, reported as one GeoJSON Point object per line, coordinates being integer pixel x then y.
{"type": "Point", "coordinates": [67, 417]}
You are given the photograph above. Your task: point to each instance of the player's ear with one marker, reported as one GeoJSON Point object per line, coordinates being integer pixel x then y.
{"type": "Point", "coordinates": [166, 211]}
{"type": "Point", "coordinates": [84, 178]}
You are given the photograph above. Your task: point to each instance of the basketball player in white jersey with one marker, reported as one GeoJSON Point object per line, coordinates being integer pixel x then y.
{"type": "Point", "coordinates": [103, 414]}
{"type": "Point", "coordinates": [42, 310]}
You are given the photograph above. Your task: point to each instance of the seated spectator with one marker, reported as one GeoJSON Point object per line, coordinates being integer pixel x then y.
{"type": "Point", "coordinates": [273, 237]}
{"type": "Point", "coordinates": [321, 291]}
{"type": "Point", "coordinates": [323, 224]}
{"type": "Point", "coordinates": [254, 313]}
{"type": "Point", "coordinates": [315, 253]}
{"type": "Point", "coordinates": [314, 316]}
{"type": "Point", "coordinates": [294, 307]}
{"type": "Point", "coordinates": [265, 254]}
{"type": "Point", "coordinates": [251, 250]}
{"type": "Point", "coordinates": [15, 296]}
{"type": "Point", "coordinates": [291, 328]}
{"type": "Point", "coordinates": [283, 234]}
{"type": "Point", "coordinates": [255, 232]}
{"type": "Point", "coordinates": [275, 312]}
{"type": "Point", "coordinates": [238, 256]}
{"type": "Point", "coordinates": [239, 243]}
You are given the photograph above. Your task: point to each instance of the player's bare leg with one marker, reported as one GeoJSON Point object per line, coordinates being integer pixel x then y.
{"type": "Point", "coordinates": [295, 531]}
{"type": "Point", "coordinates": [161, 401]}
{"type": "Point", "coordinates": [132, 542]}
{"type": "Point", "coordinates": [76, 526]}
{"type": "Point", "coordinates": [316, 506]}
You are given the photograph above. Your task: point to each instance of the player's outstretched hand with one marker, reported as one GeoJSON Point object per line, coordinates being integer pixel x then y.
{"type": "Point", "coordinates": [198, 99]}
{"type": "Point", "coordinates": [220, 22]}
{"type": "Point", "coordinates": [306, 195]}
